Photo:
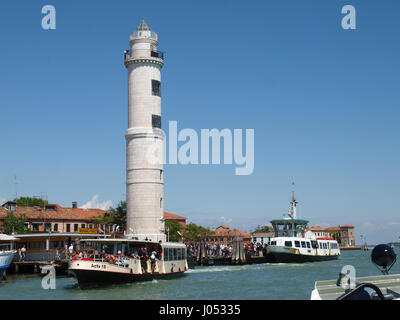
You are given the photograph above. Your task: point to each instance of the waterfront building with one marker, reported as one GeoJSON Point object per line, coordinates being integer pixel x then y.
{"type": "Point", "coordinates": [174, 217]}
{"type": "Point", "coordinates": [344, 234]}
{"type": "Point", "coordinates": [53, 217]}
{"type": "Point", "coordinates": [224, 234]}
{"type": "Point", "coordinates": [144, 137]}
{"type": "Point", "coordinates": [57, 219]}
{"type": "Point", "coordinates": [319, 232]}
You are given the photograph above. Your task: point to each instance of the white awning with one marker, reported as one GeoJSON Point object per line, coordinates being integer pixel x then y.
{"type": "Point", "coordinates": [6, 237]}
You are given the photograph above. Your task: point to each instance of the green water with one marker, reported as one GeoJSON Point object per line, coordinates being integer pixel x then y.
{"type": "Point", "coordinates": [263, 281]}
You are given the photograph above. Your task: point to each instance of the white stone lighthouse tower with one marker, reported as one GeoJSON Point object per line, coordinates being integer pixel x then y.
{"type": "Point", "coordinates": [144, 138]}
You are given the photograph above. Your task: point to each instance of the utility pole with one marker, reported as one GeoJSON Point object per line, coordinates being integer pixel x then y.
{"type": "Point", "coordinates": [16, 187]}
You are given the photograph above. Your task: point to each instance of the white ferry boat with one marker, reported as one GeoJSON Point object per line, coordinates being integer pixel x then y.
{"type": "Point", "coordinates": [292, 243]}
{"type": "Point", "coordinates": [7, 252]}
{"type": "Point", "coordinates": [107, 261]}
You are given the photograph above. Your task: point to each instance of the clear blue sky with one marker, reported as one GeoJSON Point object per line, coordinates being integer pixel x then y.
{"type": "Point", "coordinates": [324, 103]}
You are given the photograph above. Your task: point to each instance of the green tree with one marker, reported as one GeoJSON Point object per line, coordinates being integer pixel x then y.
{"type": "Point", "coordinates": [171, 230]}
{"type": "Point", "coordinates": [262, 229]}
{"type": "Point", "coordinates": [15, 224]}
{"type": "Point", "coordinates": [29, 202]}
{"type": "Point", "coordinates": [113, 216]}
{"type": "Point", "coordinates": [194, 232]}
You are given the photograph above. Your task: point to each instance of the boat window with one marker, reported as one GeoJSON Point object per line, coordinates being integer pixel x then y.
{"type": "Point", "coordinates": [308, 244]}
{"type": "Point", "coordinates": [314, 244]}
{"type": "Point", "coordinates": [303, 244]}
{"type": "Point", "coordinates": [165, 254]}
{"type": "Point", "coordinates": [273, 243]}
{"type": "Point", "coordinates": [297, 244]}
{"type": "Point", "coordinates": [175, 253]}
{"type": "Point", "coordinates": [288, 243]}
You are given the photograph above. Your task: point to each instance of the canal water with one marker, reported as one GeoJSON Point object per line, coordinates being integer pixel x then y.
{"type": "Point", "coordinates": [262, 281]}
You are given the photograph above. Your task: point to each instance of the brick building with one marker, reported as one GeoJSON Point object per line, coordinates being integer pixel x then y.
{"type": "Point", "coordinates": [344, 235]}
{"type": "Point", "coordinates": [54, 218]}
{"type": "Point", "coordinates": [224, 234]}
{"type": "Point", "coordinates": [174, 217]}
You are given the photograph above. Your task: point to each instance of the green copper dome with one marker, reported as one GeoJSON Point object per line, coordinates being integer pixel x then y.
{"type": "Point", "coordinates": [143, 26]}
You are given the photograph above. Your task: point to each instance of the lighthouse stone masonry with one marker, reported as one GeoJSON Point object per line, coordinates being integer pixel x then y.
{"type": "Point", "coordinates": [144, 137]}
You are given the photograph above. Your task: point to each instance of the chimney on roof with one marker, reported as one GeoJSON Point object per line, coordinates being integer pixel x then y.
{"type": "Point", "coordinates": [74, 205]}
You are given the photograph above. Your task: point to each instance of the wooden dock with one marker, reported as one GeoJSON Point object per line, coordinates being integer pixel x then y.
{"type": "Point", "coordinates": [350, 248]}
{"type": "Point", "coordinates": [35, 266]}
{"type": "Point", "coordinates": [237, 257]}
{"type": "Point", "coordinates": [218, 261]}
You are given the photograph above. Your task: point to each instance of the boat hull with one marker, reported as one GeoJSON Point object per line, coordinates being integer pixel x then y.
{"type": "Point", "coordinates": [5, 260]}
{"type": "Point", "coordinates": [283, 257]}
{"type": "Point", "coordinates": [89, 278]}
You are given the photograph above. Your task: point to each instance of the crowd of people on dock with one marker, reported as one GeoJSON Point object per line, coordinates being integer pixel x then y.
{"type": "Point", "coordinates": [221, 250]}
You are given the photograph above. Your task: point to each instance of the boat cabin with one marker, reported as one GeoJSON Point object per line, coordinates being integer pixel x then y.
{"type": "Point", "coordinates": [133, 248]}
{"type": "Point", "coordinates": [289, 227]}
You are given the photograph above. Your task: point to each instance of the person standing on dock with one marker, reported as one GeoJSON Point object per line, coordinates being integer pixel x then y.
{"type": "Point", "coordinates": [23, 253]}
{"type": "Point", "coordinates": [71, 250]}
{"type": "Point", "coordinates": [19, 254]}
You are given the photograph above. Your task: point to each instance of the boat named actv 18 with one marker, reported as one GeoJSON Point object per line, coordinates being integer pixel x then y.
{"type": "Point", "coordinates": [108, 261]}
{"type": "Point", "coordinates": [292, 243]}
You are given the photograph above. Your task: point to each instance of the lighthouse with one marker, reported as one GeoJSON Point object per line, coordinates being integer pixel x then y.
{"type": "Point", "coordinates": [144, 138]}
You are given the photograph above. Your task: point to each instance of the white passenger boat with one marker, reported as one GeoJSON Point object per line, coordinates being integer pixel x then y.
{"type": "Point", "coordinates": [7, 252]}
{"type": "Point", "coordinates": [108, 261]}
{"type": "Point", "coordinates": [292, 243]}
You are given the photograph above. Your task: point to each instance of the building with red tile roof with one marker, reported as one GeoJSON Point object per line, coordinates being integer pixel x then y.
{"type": "Point", "coordinates": [224, 234]}
{"type": "Point", "coordinates": [54, 218]}
{"type": "Point", "coordinates": [343, 234]}
{"type": "Point", "coordinates": [174, 217]}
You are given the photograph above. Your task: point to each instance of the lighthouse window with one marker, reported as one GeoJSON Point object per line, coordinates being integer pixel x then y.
{"type": "Point", "coordinates": [156, 121]}
{"type": "Point", "coordinates": [156, 88]}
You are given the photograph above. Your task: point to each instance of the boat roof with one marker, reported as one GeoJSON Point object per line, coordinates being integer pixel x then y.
{"type": "Point", "coordinates": [143, 242]}
{"type": "Point", "coordinates": [298, 221]}
{"type": "Point", "coordinates": [58, 235]}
